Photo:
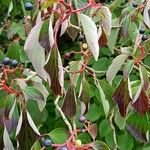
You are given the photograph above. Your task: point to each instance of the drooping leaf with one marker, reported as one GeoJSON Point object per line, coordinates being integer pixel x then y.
{"type": "Point", "coordinates": [120, 121]}
{"type": "Point", "coordinates": [122, 97]}
{"type": "Point", "coordinates": [103, 99]}
{"type": "Point", "coordinates": [64, 26]}
{"type": "Point", "coordinates": [44, 36]}
{"type": "Point", "coordinates": [59, 135]}
{"type": "Point", "coordinates": [99, 145]}
{"type": "Point", "coordinates": [85, 91]}
{"type": "Point", "coordinates": [91, 35]}
{"type": "Point", "coordinates": [69, 106]}
{"type": "Point", "coordinates": [35, 51]}
{"type": "Point", "coordinates": [144, 77]}
{"type": "Point", "coordinates": [147, 14]}
{"type": "Point", "coordinates": [54, 69]}
{"type": "Point", "coordinates": [106, 17]}
{"type": "Point", "coordinates": [113, 36]}
{"type": "Point", "coordinates": [25, 132]}
{"type": "Point", "coordinates": [125, 26]}
{"type": "Point", "coordinates": [138, 127]}
{"type": "Point", "coordinates": [37, 83]}
{"type": "Point", "coordinates": [136, 133]}
{"type": "Point", "coordinates": [115, 66]}
{"type": "Point", "coordinates": [33, 94]}
{"type": "Point", "coordinates": [128, 68]}
{"type": "Point", "coordinates": [74, 66]}
{"type": "Point", "coordinates": [72, 31]}
{"type": "Point", "coordinates": [92, 130]}
{"type": "Point", "coordinates": [7, 142]}
{"type": "Point", "coordinates": [103, 39]}
{"type": "Point", "coordinates": [141, 105]}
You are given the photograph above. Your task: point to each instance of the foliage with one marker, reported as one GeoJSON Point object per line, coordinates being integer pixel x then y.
{"type": "Point", "coordinates": [74, 74]}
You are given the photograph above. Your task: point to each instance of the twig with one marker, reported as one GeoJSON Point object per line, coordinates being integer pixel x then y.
{"type": "Point", "coordinates": [62, 114]}
{"type": "Point", "coordinates": [113, 130]}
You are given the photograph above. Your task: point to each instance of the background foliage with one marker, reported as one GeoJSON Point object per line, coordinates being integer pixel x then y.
{"type": "Point", "coordinates": [114, 87]}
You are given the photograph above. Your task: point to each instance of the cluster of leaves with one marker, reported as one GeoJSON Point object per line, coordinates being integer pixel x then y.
{"type": "Point", "coordinates": [77, 58]}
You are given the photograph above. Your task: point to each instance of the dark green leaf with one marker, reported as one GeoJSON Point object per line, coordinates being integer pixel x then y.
{"type": "Point", "coordinates": [59, 135]}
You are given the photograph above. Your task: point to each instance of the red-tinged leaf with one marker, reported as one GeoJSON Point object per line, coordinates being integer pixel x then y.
{"type": "Point", "coordinates": [137, 133]}
{"type": "Point", "coordinates": [103, 40]}
{"type": "Point", "coordinates": [54, 69]}
{"type": "Point", "coordinates": [69, 106]}
{"type": "Point", "coordinates": [93, 131]}
{"type": "Point", "coordinates": [141, 104]}
{"type": "Point", "coordinates": [122, 97]}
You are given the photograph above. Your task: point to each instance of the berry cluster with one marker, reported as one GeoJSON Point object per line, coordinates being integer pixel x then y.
{"type": "Point", "coordinates": [11, 62]}
{"type": "Point", "coordinates": [144, 36]}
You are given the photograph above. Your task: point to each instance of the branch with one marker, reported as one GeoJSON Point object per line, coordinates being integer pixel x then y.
{"type": "Point", "coordinates": [62, 114]}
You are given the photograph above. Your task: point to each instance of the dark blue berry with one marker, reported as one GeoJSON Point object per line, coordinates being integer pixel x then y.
{"type": "Point", "coordinates": [28, 6]}
{"type": "Point", "coordinates": [6, 61]}
{"type": "Point", "coordinates": [134, 4]}
{"type": "Point", "coordinates": [14, 63]}
{"type": "Point", "coordinates": [144, 37]}
{"type": "Point", "coordinates": [47, 142]}
{"type": "Point", "coordinates": [63, 148]}
{"type": "Point", "coordinates": [82, 119]}
{"type": "Point", "coordinates": [142, 31]}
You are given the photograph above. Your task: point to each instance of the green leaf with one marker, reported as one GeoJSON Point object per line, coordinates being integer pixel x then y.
{"type": "Point", "coordinates": [74, 66]}
{"type": "Point", "coordinates": [125, 141]}
{"type": "Point", "coordinates": [90, 31]}
{"type": "Point", "coordinates": [103, 99]}
{"type": "Point", "coordinates": [115, 66]}
{"type": "Point", "coordinates": [84, 137]}
{"type": "Point", "coordinates": [120, 121]}
{"type": "Point", "coordinates": [33, 94]}
{"type": "Point", "coordinates": [112, 39]}
{"type": "Point", "coordinates": [94, 113]}
{"type": "Point", "coordinates": [35, 51]}
{"type": "Point", "coordinates": [85, 91]}
{"type": "Point", "coordinates": [59, 135]}
{"type": "Point", "coordinates": [99, 145]}
{"type": "Point", "coordinates": [72, 32]}
{"type": "Point", "coordinates": [14, 51]}
{"type": "Point", "coordinates": [104, 128]}
{"type": "Point", "coordinates": [128, 68]}
{"type": "Point", "coordinates": [138, 127]}
{"type": "Point", "coordinates": [144, 77]}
